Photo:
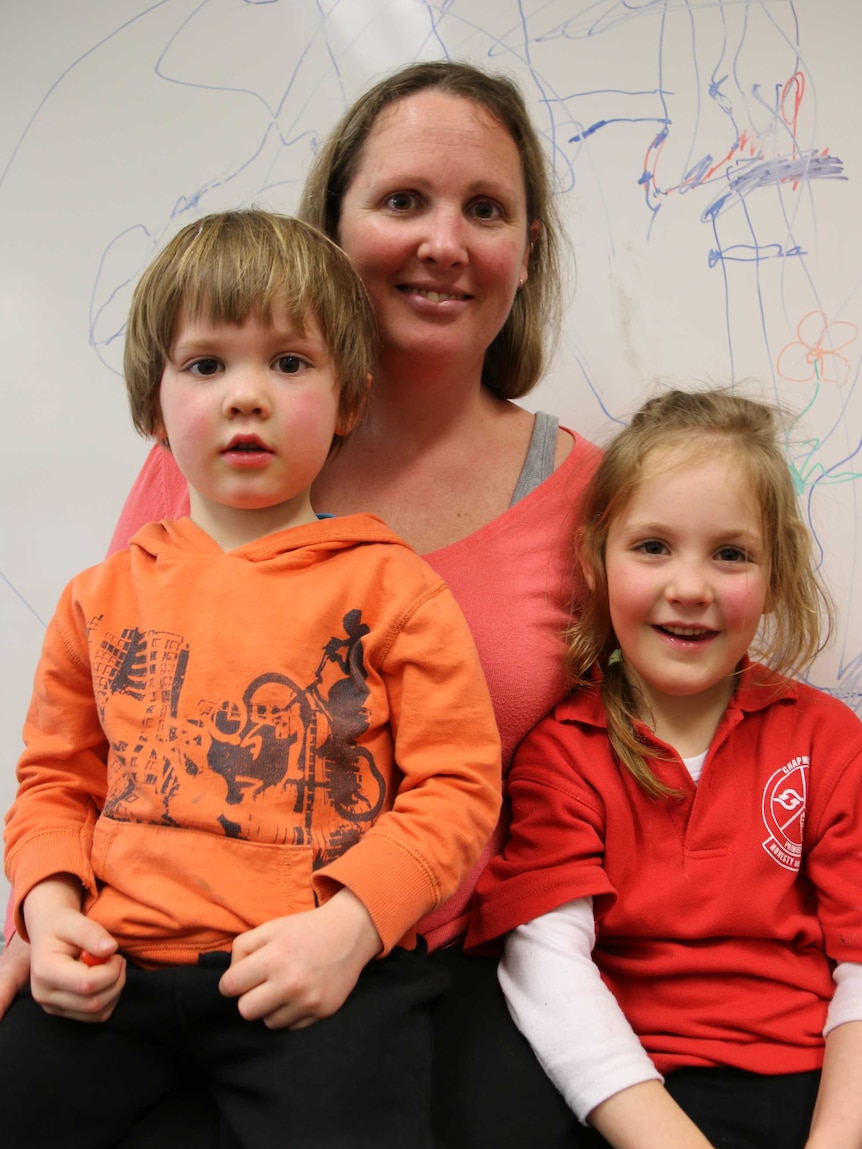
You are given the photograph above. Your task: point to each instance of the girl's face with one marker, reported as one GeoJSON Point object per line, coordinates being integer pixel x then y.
{"type": "Point", "coordinates": [435, 222]}
{"type": "Point", "coordinates": [687, 575]}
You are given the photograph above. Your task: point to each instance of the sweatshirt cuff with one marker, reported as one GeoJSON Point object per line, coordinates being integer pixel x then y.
{"type": "Point", "coordinates": [44, 855]}
{"type": "Point", "coordinates": [394, 884]}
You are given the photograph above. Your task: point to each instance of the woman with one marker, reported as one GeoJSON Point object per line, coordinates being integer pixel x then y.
{"type": "Point", "coordinates": [435, 185]}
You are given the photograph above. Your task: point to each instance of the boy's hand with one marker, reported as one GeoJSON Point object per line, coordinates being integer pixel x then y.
{"type": "Point", "coordinates": [295, 970]}
{"type": "Point", "coordinates": [60, 936]}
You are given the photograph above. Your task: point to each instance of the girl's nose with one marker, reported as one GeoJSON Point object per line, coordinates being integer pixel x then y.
{"type": "Point", "coordinates": [689, 583]}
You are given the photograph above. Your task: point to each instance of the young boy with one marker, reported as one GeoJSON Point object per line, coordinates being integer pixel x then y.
{"type": "Point", "coordinates": [260, 746]}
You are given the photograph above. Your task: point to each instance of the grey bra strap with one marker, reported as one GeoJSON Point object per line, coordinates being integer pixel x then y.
{"type": "Point", "coordinates": [539, 461]}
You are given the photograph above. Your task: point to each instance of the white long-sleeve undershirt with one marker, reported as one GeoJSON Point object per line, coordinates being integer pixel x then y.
{"type": "Point", "coordinates": [571, 1019]}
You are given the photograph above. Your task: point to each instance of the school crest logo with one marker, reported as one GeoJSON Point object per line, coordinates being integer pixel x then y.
{"type": "Point", "coordinates": [785, 797]}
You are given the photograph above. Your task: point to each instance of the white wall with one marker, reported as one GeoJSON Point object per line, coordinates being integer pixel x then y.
{"type": "Point", "coordinates": [120, 120]}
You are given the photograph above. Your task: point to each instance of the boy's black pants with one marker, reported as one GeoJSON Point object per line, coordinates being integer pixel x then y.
{"type": "Point", "coordinates": [359, 1078]}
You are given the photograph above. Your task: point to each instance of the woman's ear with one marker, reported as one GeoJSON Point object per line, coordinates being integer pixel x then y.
{"type": "Point", "coordinates": [533, 235]}
{"type": "Point", "coordinates": [346, 423]}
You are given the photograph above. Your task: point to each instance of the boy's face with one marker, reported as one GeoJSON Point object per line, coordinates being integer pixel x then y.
{"type": "Point", "coordinates": [249, 412]}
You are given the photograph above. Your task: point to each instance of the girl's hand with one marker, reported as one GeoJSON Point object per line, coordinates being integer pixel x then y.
{"type": "Point", "coordinates": [295, 970]}
{"type": "Point", "coordinates": [63, 983]}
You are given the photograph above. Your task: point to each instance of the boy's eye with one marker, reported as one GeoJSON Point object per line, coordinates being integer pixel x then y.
{"type": "Point", "coordinates": [289, 364]}
{"type": "Point", "coordinates": [205, 367]}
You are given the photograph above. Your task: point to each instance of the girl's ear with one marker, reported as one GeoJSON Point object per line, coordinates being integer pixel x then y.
{"type": "Point", "coordinates": [588, 573]}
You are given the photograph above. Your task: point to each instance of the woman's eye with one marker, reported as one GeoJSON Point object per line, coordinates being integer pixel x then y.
{"type": "Point", "coordinates": [401, 201]}
{"type": "Point", "coordinates": [486, 210]}
{"type": "Point", "coordinates": [289, 364]}
{"type": "Point", "coordinates": [205, 367]}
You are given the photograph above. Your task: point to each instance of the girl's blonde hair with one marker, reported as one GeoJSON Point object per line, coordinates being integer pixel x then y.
{"type": "Point", "coordinates": [515, 361]}
{"type": "Point", "coordinates": [692, 426]}
{"type": "Point", "coordinates": [234, 264]}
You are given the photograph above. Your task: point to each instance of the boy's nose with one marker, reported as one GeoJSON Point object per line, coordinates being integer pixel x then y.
{"type": "Point", "coordinates": [246, 396]}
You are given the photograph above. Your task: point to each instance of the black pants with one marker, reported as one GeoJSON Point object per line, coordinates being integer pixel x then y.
{"type": "Point", "coordinates": [489, 1092]}
{"type": "Point", "coordinates": [359, 1078]}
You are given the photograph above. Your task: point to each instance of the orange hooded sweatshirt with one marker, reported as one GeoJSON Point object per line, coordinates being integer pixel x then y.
{"type": "Point", "coordinates": [219, 739]}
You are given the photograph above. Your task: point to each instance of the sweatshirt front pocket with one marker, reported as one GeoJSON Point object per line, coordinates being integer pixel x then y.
{"type": "Point", "coordinates": [163, 882]}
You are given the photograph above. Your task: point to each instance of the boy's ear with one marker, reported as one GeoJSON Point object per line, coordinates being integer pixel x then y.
{"type": "Point", "coordinates": [160, 433]}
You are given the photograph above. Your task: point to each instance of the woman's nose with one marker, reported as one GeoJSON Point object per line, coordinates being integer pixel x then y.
{"type": "Point", "coordinates": [443, 242]}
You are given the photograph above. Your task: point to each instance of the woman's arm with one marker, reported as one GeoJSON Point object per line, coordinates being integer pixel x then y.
{"type": "Point", "coordinates": [14, 970]}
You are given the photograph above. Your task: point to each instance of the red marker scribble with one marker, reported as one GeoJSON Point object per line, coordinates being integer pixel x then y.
{"type": "Point", "coordinates": [815, 354]}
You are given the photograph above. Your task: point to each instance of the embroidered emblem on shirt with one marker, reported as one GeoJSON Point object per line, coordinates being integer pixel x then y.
{"type": "Point", "coordinates": [784, 799]}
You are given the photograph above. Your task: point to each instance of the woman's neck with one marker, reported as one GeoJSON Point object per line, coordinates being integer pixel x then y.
{"type": "Point", "coordinates": [409, 406]}
{"type": "Point", "coordinates": [434, 459]}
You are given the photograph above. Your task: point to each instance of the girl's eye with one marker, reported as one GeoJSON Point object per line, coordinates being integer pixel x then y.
{"type": "Point", "coordinates": [732, 555]}
{"type": "Point", "coordinates": [487, 211]}
{"type": "Point", "coordinates": [651, 547]}
{"type": "Point", "coordinates": [290, 364]}
{"type": "Point", "coordinates": [401, 201]}
{"type": "Point", "coordinates": [205, 367]}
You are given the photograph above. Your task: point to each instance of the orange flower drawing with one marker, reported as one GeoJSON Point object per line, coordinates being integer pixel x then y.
{"type": "Point", "coordinates": [815, 354]}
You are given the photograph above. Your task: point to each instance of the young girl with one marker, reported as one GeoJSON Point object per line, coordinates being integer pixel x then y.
{"type": "Point", "coordinates": [683, 883]}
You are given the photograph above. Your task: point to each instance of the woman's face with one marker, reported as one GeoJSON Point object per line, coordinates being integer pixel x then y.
{"type": "Point", "coordinates": [435, 222]}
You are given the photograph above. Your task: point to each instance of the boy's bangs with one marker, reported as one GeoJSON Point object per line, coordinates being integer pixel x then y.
{"type": "Point", "coordinates": [230, 287]}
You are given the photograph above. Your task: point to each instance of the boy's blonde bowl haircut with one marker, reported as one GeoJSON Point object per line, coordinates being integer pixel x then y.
{"type": "Point", "coordinates": [672, 430]}
{"type": "Point", "coordinates": [234, 264]}
{"type": "Point", "coordinates": [515, 361]}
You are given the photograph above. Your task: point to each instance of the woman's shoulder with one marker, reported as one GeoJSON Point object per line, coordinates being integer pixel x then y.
{"type": "Point", "coordinates": [159, 492]}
